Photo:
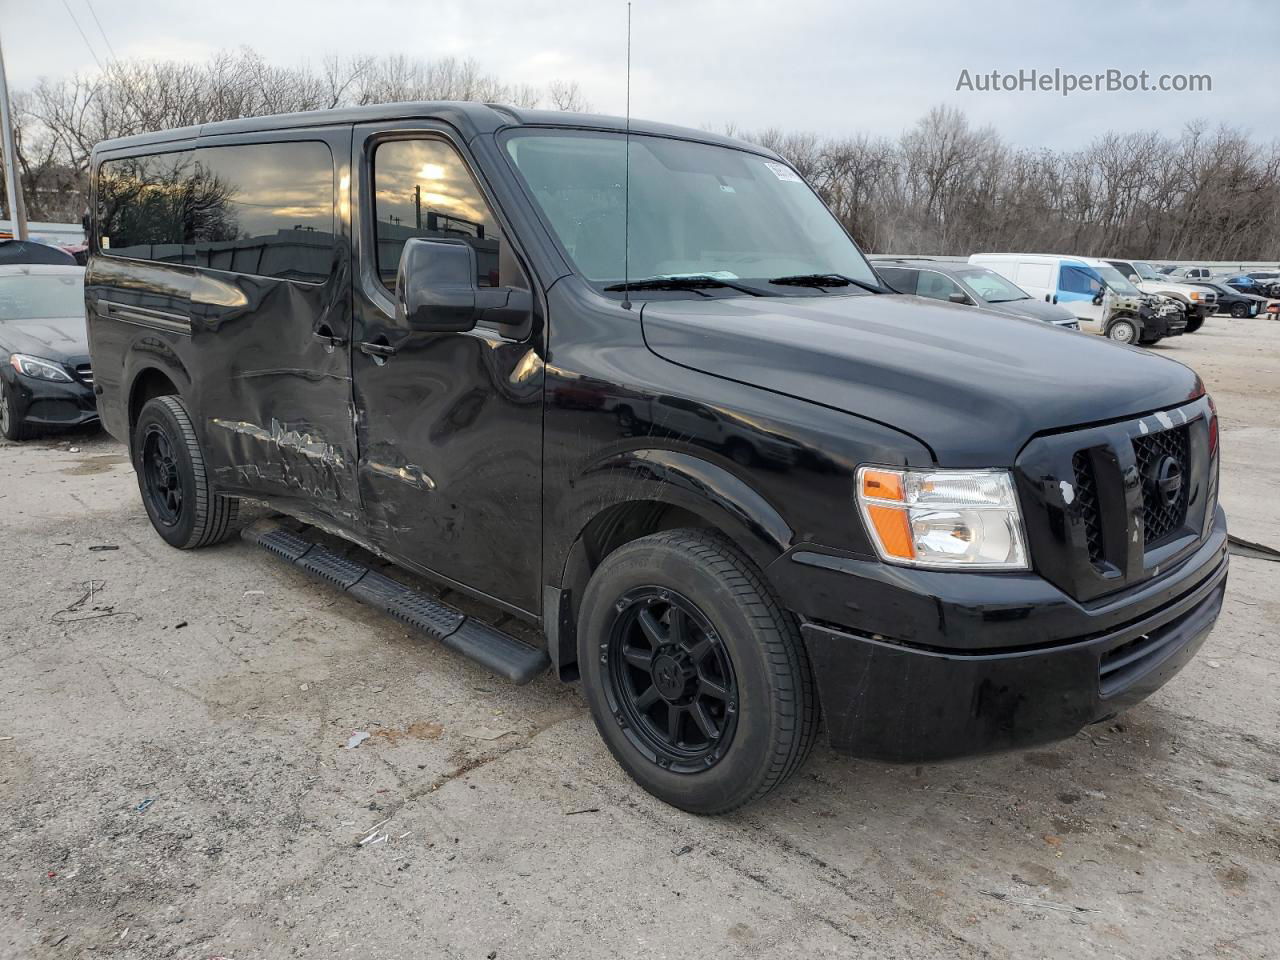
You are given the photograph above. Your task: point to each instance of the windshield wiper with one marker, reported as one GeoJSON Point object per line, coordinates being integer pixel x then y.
{"type": "Point", "coordinates": [823, 280]}
{"type": "Point", "coordinates": [695, 282]}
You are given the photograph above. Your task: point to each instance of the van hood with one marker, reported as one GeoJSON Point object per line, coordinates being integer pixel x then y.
{"type": "Point", "coordinates": [54, 338]}
{"type": "Point", "coordinates": [972, 385]}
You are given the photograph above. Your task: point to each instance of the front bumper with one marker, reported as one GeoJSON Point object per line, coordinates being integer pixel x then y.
{"type": "Point", "coordinates": [49, 403]}
{"type": "Point", "coordinates": [1004, 671]}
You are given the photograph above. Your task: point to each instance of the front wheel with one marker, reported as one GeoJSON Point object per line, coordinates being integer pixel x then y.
{"type": "Point", "coordinates": [1238, 310]}
{"type": "Point", "coordinates": [698, 681]}
{"type": "Point", "coordinates": [1123, 331]}
{"type": "Point", "coordinates": [1194, 324]}
{"type": "Point", "coordinates": [11, 424]}
{"type": "Point", "coordinates": [176, 490]}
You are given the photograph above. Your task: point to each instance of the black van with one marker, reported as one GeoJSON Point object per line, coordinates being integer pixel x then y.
{"type": "Point", "coordinates": [642, 393]}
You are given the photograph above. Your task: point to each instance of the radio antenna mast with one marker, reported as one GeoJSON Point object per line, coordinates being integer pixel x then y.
{"type": "Point", "coordinates": [626, 185]}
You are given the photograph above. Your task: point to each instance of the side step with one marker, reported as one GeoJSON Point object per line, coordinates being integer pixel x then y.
{"type": "Point", "coordinates": [488, 646]}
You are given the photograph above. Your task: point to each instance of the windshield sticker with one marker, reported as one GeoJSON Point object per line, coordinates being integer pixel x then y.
{"type": "Point", "coordinates": [783, 172]}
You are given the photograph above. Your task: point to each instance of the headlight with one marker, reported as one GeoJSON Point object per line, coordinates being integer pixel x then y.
{"type": "Point", "coordinates": [943, 518]}
{"type": "Point", "coordinates": [37, 368]}
{"type": "Point", "coordinates": [1195, 296]}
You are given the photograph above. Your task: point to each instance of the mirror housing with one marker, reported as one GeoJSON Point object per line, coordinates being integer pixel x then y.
{"type": "Point", "coordinates": [958, 297]}
{"type": "Point", "coordinates": [436, 286]}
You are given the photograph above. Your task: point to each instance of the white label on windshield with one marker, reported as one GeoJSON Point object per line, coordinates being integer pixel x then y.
{"type": "Point", "coordinates": [783, 172]}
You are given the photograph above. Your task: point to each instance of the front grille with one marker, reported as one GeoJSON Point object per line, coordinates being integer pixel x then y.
{"type": "Point", "coordinates": [85, 373]}
{"type": "Point", "coordinates": [1086, 499]}
{"type": "Point", "coordinates": [1160, 518]}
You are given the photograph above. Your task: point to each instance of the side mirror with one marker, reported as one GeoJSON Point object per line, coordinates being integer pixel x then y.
{"type": "Point", "coordinates": [958, 297]}
{"type": "Point", "coordinates": [436, 286]}
{"type": "Point", "coordinates": [1134, 278]}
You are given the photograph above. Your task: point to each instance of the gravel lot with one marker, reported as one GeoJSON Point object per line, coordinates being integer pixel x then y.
{"type": "Point", "coordinates": [173, 781]}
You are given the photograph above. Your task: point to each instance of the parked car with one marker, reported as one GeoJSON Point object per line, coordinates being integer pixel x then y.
{"type": "Point", "coordinates": [1198, 301]}
{"type": "Point", "coordinates": [46, 382]}
{"type": "Point", "coordinates": [1233, 302]}
{"type": "Point", "coordinates": [1243, 283]}
{"type": "Point", "coordinates": [1268, 281]}
{"type": "Point", "coordinates": [1107, 305]}
{"type": "Point", "coordinates": [1188, 273]}
{"type": "Point", "coordinates": [28, 251]}
{"type": "Point", "coordinates": [988, 533]}
{"type": "Point", "coordinates": [968, 285]}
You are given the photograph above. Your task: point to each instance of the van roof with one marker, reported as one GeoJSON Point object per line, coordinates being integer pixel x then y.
{"type": "Point", "coordinates": [469, 118]}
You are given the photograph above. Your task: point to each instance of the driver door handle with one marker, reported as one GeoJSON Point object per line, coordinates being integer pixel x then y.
{"type": "Point", "coordinates": [379, 351]}
{"type": "Point", "coordinates": [324, 333]}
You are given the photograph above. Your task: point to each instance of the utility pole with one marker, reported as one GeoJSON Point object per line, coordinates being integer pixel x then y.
{"type": "Point", "coordinates": [12, 182]}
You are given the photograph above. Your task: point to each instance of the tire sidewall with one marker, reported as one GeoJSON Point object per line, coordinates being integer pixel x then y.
{"type": "Point", "coordinates": [13, 424]}
{"type": "Point", "coordinates": [735, 776]}
{"type": "Point", "coordinates": [156, 413]}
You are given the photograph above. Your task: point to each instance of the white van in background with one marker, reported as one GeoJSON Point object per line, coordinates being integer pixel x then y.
{"type": "Point", "coordinates": [1080, 284]}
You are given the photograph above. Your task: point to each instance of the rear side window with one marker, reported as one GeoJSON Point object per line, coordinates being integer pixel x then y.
{"type": "Point", "coordinates": [260, 209]}
{"type": "Point", "coordinates": [898, 278]}
{"type": "Point", "coordinates": [143, 207]}
{"type": "Point", "coordinates": [264, 209]}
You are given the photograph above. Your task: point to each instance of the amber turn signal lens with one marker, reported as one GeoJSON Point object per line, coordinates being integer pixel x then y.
{"type": "Point", "coordinates": [882, 485]}
{"type": "Point", "coordinates": [894, 530]}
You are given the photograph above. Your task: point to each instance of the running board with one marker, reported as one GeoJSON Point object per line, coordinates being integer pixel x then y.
{"type": "Point", "coordinates": [488, 646]}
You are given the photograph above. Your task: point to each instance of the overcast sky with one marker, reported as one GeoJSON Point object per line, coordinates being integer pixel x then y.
{"type": "Point", "coordinates": [815, 65]}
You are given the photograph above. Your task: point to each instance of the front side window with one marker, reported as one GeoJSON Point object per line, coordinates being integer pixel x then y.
{"type": "Point", "coordinates": [1075, 280]}
{"type": "Point", "coordinates": [695, 209]}
{"type": "Point", "coordinates": [143, 207]}
{"type": "Point", "coordinates": [422, 188]}
{"type": "Point", "coordinates": [937, 287]}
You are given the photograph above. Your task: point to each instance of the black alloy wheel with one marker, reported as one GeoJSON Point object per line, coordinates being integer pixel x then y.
{"type": "Point", "coordinates": [161, 481]}
{"type": "Point", "coordinates": [671, 684]}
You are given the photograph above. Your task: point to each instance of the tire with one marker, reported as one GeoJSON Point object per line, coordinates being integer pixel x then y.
{"type": "Point", "coordinates": [11, 424]}
{"type": "Point", "coordinates": [172, 479]}
{"type": "Point", "coordinates": [1238, 310]}
{"type": "Point", "coordinates": [1123, 331]}
{"type": "Point", "coordinates": [736, 659]}
{"type": "Point", "coordinates": [1194, 324]}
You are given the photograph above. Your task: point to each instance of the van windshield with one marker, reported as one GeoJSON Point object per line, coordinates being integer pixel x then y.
{"type": "Point", "coordinates": [696, 210]}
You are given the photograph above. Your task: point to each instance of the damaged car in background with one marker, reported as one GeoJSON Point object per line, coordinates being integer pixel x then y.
{"type": "Point", "coordinates": [444, 335]}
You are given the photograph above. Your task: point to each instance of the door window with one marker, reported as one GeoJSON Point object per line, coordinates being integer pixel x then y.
{"type": "Point", "coordinates": [936, 286]}
{"type": "Point", "coordinates": [899, 279]}
{"type": "Point", "coordinates": [1075, 280]}
{"type": "Point", "coordinates": [264, 209]}
{"type": "Point", "coordinates": [422, 188]}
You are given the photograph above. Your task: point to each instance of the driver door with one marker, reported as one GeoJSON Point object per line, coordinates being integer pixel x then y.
{"type": "Point", "coordinates": [1081, 291]}
{"type": "Point", "coordinates": [449, 424]}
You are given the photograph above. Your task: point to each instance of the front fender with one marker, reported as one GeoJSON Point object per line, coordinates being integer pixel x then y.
{"type": "Point", "coordinates": [693, 483]}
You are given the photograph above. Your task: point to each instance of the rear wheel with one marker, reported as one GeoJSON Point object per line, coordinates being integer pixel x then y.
{"type": "Point", "coordinates": [1123, 331]}
{"type": "Point", "coordinates": [176, 490]}
{"type": "Point", "coordinates": [697, 680]}
{"type": "Point", "coordinates": [11, 424]}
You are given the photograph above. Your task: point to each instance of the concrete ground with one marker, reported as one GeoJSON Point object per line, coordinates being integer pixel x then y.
{"type": "Point", "coordinates": [173, 781]}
